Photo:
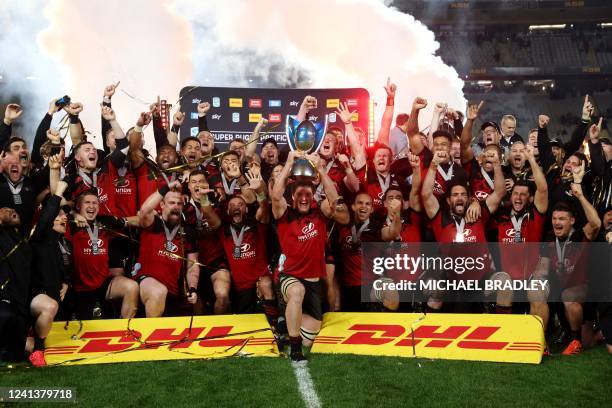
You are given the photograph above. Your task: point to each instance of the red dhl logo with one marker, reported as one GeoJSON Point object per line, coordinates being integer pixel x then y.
{"type": "Point", "coordinates": [465, 337]}
{"type": "Point", "coordinates": [274, 117]}
{"type": "Point", "coordinates": [119, 340]}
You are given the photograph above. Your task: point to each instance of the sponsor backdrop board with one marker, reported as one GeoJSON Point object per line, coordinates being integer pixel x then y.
{"type": "Point", "coordinates": [164, 338]}
{"type": "Point", "coordinates": [234, 112]}
{"type": "Point", "coordinates": [481, 337]}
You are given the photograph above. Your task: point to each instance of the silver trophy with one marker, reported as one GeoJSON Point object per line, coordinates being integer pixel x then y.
{"type": "Point", "coordinates": [305, 137]}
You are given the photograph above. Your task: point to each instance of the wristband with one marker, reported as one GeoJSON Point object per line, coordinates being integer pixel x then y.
{"type": "Point", "coordinates": [106, 101]}
{"type": "Point", "coordinates": [192, 290]}
{"type": "Point", "coordinates": [74, 119]}
{"type": "Point", "coordinates": [390, 101]}
{"type": "Point", "coordinates": [261, 197]}
{"type": "Point", "coordinates": [164, 190]}
{"type": "Point", "coordinates": [138, 129]}
{"type": "Point", "coordinates": [175, 128]}
{"type": "Point", "coordinates": [347, 123]}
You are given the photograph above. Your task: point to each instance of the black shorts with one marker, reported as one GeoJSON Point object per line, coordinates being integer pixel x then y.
{"type": "Point", "coordinates": [119, 253]}
{"type": "Point", "coordinates": [351, 299]}
{"type": "Point", "coordinates": [52, 293]}
{"type": "Point", "coordinates": [244, 301]}
{"type": "Point", "coordinates": [212, 267]}
{"type": "Point", "coordinates": [311, 305]}
{"type": "Point", "coordinates": [86, 301]}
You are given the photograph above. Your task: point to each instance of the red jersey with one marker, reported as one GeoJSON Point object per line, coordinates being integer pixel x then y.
{"type": "Point", "coordinates": [481, 182]}
{"type": "Point", "coordinates": [444, 174]}
{"type": "Point", "coordinates": [409, 239]}
{"type": "Point", "coordinates": [444, 227]}
{"type": "Point", "coordinates": [376, 185]}
{"type": "Point", "coordinates": [210, 248]}
{"type": "Point", "coordinates": [156, 255]}
{"type": "Point", "coordinates": [570, 269]}
{"type": "Point", "coordinates": [149, 180]}
{"type": "Point", "coordinates": [251, 262]}
{"type": "Point", "coordinates": [519, 261]}
{"type": "Point", "coordinates": [125, 193]}
{"type": "Point", "coordinates": [302, 239]}
{"type": "Point", "coordinates": [90, 259]}
{"type": "Point", "coordinates": [353, 266]}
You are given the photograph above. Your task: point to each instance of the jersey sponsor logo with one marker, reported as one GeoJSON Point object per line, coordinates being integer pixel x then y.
{"type": "Point", "coordinates": [255, 103]}
{"type": "Point", "coordinates": [274, 117]}
{"type": "Point", "coordinates": [438, 190]}
{"type": "Point", "coordinates": [99, 242]}
{"type": "Point", "coordinates": [481, 195]}
{"type": "Point", "coordinates": [309, 232]}
{"type": "Point", "coordinates": [235, 102]}
{"type": "Point", "coordinates": [245, 247]}
{"type": "Point", "coordinates": [468, 235]}
{"type": "Point", "coordinates": [102, 196]}
{"type": "Point", "coordinates": [511, 232]}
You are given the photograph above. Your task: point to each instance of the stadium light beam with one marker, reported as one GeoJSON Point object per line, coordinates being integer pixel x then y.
{"type": "Point", "coordinates": [547, 27]}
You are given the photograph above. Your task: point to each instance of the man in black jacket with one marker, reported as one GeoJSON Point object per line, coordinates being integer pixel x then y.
{"type": "Point", "coordinates": [51, 267]}
{"type": "Point", "coordinates": [15, 256]}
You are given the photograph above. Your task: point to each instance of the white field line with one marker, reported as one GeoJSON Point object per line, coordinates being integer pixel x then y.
{"type": "Point", "coordinates": [305, 384]}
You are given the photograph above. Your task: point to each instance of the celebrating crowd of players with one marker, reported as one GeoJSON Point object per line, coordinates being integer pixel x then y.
{"type": "Point", "coordinates": [120, 233]}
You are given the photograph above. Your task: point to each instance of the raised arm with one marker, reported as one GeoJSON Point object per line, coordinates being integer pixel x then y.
{"type": "Point", "coordinates": [547, 158]}
{"type": "Point", "coordinates": [333, 206]}
{"type": "Point", "coordinates": [41, 133]}
{"type": "Point", "coordinates": [499, 187]}
{"type": "Point", "coordinates": [135, 153]}
{"type": "Point", "coordinates": [438, 111]}
{"type": "Point", "coordinates": [109, 91]}
{"type": "Point", "coordinates": [430, 202]}
{"type": "Point", "coordinates": [414, 199]}
{"type": "Point", "coordinates": [203, 109]}
{"type": "Point", "coordinates": [393, 230]}
{"type": "Point", "coordinates": [357, 150]}
{"type": "Point", "coordinates": [580, 131]}
{"type": "Point", "coordinates": [147, 210]}
{"type": "Point", "coordinates": [591, 229]}
{"type": "Point", "coordinates": [387, 118]}
{"type": "Point", "coordinates": [171, 137]}
{"type": "Point", "coordinates": [279, 204]}
{"type": "Point", "coordinates": [208, 212]}
{"type": "Point", "coordinates": [251, 146]}
{"type": "Point", "coordinates": [598, 160]}
{"type": "Point", "coordinates": [541, 195]}
{"type": "Point", "coordinates": [309, 103]}
{"type": "Point", "coordinates": [11, 114]}
{"type": "Point", "coordinates": [467, 154]}
{"type": "Point", "coordinates": [75, 127]}
{"type": "Point", "coordinates": [350, 180]}
{"type": "Point", "coordinates": [416, 144]}
{"type": "Point", "coordinates": [257, 185]}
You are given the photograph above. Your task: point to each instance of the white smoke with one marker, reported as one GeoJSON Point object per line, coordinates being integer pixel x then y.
{"type": "Point", "coordinates": [157, 47]}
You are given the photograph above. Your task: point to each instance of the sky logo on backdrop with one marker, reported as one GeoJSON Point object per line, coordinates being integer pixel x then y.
{"type": "Point", "coordinates": [235, 117]}
{"type": "Point", "coordinates": [274, 103]}
{"type": "Point", "coordinates": [216, 101]}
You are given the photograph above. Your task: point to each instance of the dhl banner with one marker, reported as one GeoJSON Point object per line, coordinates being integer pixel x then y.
{"type": "Point", "coordinates": [170, 338]}
{"type": "Point", "coordinates": [483, 337]}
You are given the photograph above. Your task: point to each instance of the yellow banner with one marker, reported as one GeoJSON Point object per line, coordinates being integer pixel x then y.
{"type": "Point", "coordinates": [482, 337]}
{"type": "Point", "coordinates": [169, 338]}
{"type": "Point", "coordinates": [332, 103]}
{"type": "Point", "coordinates": [254, 117]}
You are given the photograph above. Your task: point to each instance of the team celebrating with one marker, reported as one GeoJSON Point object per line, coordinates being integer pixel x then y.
{"type": "Point", "coordinates": [119, 233]}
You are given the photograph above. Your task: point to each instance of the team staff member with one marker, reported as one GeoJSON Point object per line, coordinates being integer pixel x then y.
{"type": "Point", "coordinates": [92, 280]}
{"type": "Point", "coordinates": [564, 259]}
{"type": "Point", "coordinates": [165, 245]}
{"type": "Point", "coordinates": [51, 266]}
{"type": "Point", "coordinates": [302, 233]}
{"type": "Point", "coordinates": [244, 242]}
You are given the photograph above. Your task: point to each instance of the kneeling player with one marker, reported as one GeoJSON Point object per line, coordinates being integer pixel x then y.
{"type": "Point", "coordinates": [302, 231]}
{"type": "Point", "coordinates": [165, 247]}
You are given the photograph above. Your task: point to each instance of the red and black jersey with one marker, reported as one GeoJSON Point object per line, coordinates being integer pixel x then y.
{"type": "Point", "coordinates": [251, 262]}
{"type": "Point", "coordinates": [126, 189]}
{"type": "Point", "coordinates": [150, 179]}
{"type": "Point", "coordinates": [479, 185]}
{"type": "Point", "coordinates": [352, 259]}
{"type": "Point", "coordinates": [91, 266]}
{"type": "Point", "coordinates": [337, 173]}
{"type": "Point", "coordinates": [302, 239]}
{"type": "Point", "coordinates": [519, 261]}
{"type": "Point", "coordinates": [454, 171]}
{"type": "Point", "coordinates": [445, 231]}
{"type": "Point", "coordinates": [210, 247]}
{"type": "Point", "coordinates": [160, 260]}
{"type": "Point", "coordinates": [102, 180]}
{"type": "Point", "coordinates": [407, 243]}
{"type": "Point", "coordinates": [572, 269]}
{"type": "Point", "coordinates": [370, 182]}
{"type": "Point", "coordinates": [411, 226]}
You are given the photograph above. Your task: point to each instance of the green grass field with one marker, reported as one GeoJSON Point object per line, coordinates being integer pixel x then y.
{"type": "Point", "coordinates": [340, 380]}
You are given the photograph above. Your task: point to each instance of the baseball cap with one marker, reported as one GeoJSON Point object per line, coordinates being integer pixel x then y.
{"type": "Point", "coordinates": [487, 124]}
{"type": "Point", "coordinates": [556, 142]}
